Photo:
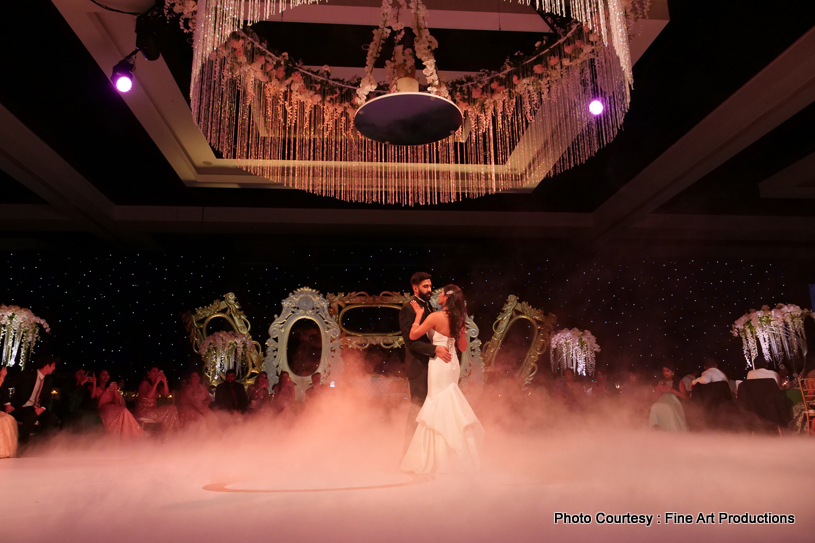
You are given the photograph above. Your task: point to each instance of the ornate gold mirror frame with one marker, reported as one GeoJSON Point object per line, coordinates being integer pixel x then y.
{"type": "Point", "coordinates": [228, 309]}
{"type": "Point", "coordinates": [542, 324]}
{"type": "Point", "coordinates": [303, 303]}
{"type": "Point", "coordinates": [341, 303]}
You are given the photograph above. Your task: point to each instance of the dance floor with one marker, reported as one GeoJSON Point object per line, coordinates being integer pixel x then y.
{"type": "Point", "coordinates": [336, 478]}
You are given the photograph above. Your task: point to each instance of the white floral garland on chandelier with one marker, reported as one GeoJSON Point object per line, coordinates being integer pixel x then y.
{"type": "Point", "coordinates": [481, 92]}
{"type": "Point", "coordinates": [779, 331]}
{"type": "Point", "coordinates": [19, 331]}
{"type": "Point", "coordinates": [424, 44]}
{"type": "Point", "coordinates": [264, 109]}
{"type": "Point", "coordinates": [224, 350]}
{"type": "Point", "coordinates": [573, 349]}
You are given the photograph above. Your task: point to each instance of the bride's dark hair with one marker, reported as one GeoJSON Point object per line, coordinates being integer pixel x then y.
{"type": "Point", "coordinates": [456, 308]}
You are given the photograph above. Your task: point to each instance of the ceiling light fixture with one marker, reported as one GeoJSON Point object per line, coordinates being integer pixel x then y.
{"type": "Point", "coordinates": [596, 107]}
{"type": "Point", "coordinates": [375, 141]}
{"type": "Point", "coordinates": [122, 76]}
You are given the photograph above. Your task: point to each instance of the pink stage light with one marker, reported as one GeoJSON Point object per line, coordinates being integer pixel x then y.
{"type": "Point", "coordinates": [124, 83]}
{"type": "Point", "coordinates": [596, 107]}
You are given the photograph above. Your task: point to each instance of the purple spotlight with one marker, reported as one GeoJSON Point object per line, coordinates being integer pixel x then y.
{"type": "Point", "coordinates": [596, 107]}
{"type": "Point", "coordinates": [123, 74]}
{"type": "Point", "coordinates": [124, 83]}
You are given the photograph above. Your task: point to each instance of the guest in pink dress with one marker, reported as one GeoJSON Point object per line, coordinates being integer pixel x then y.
{"type": "Point", "coordinates": [284, 399]}
{"type": "Point", "coordinates": [193, 402]}
{"type": "Point", "coordinates": [117, 419]}
{"type": "Point", "coordinates": [8, 428]}
{"type": "Point", "coordinates": [259, 398]}
{"type": "Point", "coordinates": [149, 390]}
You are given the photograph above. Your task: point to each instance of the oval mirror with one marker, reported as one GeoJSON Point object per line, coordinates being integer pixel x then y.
{"type": "Point", "coordinates": [371, 320]}
{"type": "Point", "coordinates": [304, 348]}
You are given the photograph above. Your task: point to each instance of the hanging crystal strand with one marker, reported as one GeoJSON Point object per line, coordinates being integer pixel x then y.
{"type": "Point", "coordinates": [18, 337]}
{"type": "Point", "coordinates": [9, 335]}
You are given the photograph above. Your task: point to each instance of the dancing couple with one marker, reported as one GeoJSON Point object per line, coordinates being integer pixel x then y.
{"type": "Point", "coordinates": [445, 435]}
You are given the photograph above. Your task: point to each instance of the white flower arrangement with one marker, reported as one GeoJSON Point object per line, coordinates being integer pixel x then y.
{"type": "Point", "coordinates": [368, 83]}
{"type": "Point", "coordinates": [185, 10]}
{"type": "Point", "coordinates": [573, 349]}
{"type": "Point", "coordinates": [19, 331]}
{"type": "Point", "coordinates": [779, 331]}
{"type": "Point", "coordinates": [224, 350]}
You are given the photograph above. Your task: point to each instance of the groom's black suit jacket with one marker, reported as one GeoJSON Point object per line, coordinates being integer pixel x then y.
{"type": "Point", "coordinates": [417, 352]}
{"type": "Point", "coordinates": [23, 384]}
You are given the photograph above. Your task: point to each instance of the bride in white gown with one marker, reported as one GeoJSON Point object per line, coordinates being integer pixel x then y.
{"type": "Point", "coordinates": [448, 437]}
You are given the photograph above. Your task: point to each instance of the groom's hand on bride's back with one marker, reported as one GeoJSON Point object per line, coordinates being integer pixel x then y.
{"type": "Point", "coordinates": [443, 353]}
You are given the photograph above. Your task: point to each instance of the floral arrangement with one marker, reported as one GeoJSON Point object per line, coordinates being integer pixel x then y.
{"type": "Point", "coordinates": [19, 331]}
{"type": "Point", "coordinates": [522, 77]}
{"type": "Point", "coordinates": [185, 10]}
{"type": "Point", "coordinates": [779, 331]}
{"type": "Point", "coordinates": [224, 351]}
{"type": "Point", "coordinates": [573, 349]}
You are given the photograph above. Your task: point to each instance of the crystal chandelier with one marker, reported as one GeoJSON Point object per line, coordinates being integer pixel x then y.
{"type": "Point", "coordinates": [526, 121]}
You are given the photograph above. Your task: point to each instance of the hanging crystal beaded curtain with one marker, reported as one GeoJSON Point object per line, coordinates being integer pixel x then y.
{"type": "Point", "coordinates": [306, 140]}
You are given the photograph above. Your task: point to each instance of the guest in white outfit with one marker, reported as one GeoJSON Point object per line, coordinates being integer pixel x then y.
{"type": "Point", "coordinates": [712, 373]}
{"type": "Point", "coordinates": [8, 428]}
{"type": "Point", "coordinates": [761, 372]}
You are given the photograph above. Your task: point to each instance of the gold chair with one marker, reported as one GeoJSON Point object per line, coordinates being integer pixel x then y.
{"type": "Point", "coordinates": [808, 393]}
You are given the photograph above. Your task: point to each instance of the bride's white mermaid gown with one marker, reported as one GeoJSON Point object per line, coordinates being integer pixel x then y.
{"type": "Point", "coordinates": [448, 437]}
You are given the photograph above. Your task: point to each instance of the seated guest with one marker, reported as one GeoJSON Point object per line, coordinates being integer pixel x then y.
{"type": "Point", "coordinates": [317, 389]}
{"type": "Point", "coordinates": [194, 401]}
{"type": "Point", "coordinates": [761, 372]}
{"type": "Point", "coordinates": [259, 397]}
{"type": "Point", "coordinates": [667, 412]}
{"type": "Point", "coordinates": [8, 427]}
{"type": "Point", "coordinates": [599, 385]}
{"type": "Point", "coordinates": [284, 392]}
{"type": "Point", "coordinates": [100, 384]}
{"type": "Point", "coordinates": [230, 395]}
{"type": "Point", "coordinates": [78, 403]}
{"type": "Point", "coordinates": [569, 391]}
{"type": "Point", "coordinates": [686, 382]}
{"type": "Point", "coordinates": [154, 385]}
{"type": "Point", "coordinates": [712, 373]}
{"type": "Point", "coordinates": [636, 396]}
{"type": "Point", "coordinates": [31, 389]}
{"type": "Point", "coordinates": [118, 421]}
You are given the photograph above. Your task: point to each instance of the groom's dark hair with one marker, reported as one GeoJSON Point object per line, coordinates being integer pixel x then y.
{"type": "Point", "coordinates": [417, 278]}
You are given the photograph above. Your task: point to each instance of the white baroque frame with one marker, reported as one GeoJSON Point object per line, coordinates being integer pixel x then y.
{"type": "Point", "coordinates": [303, 303]}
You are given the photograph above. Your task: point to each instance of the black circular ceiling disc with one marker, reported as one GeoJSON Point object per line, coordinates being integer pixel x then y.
{"type": "Point", "coordinates": [408, 118]}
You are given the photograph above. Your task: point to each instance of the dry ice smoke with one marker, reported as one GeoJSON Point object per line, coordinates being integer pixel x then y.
{"type": "Point", "coordinates": [330, 473]}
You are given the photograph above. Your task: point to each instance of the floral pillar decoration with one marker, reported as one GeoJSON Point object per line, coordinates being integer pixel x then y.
{"type": "Point", "coordinates": [224, 351]}
{"type": "Point", "coordinates": [779, 331]}
{"type": "Point", "coordinates": [19, 331]}
{"type": "Point", "coordinates": [574, 349]}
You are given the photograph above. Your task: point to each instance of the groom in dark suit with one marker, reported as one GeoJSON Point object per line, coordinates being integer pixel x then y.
{"type": "Point", "coordinates": [32, 389]}
{"type": "Point", "coordinates": [418, 352]}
